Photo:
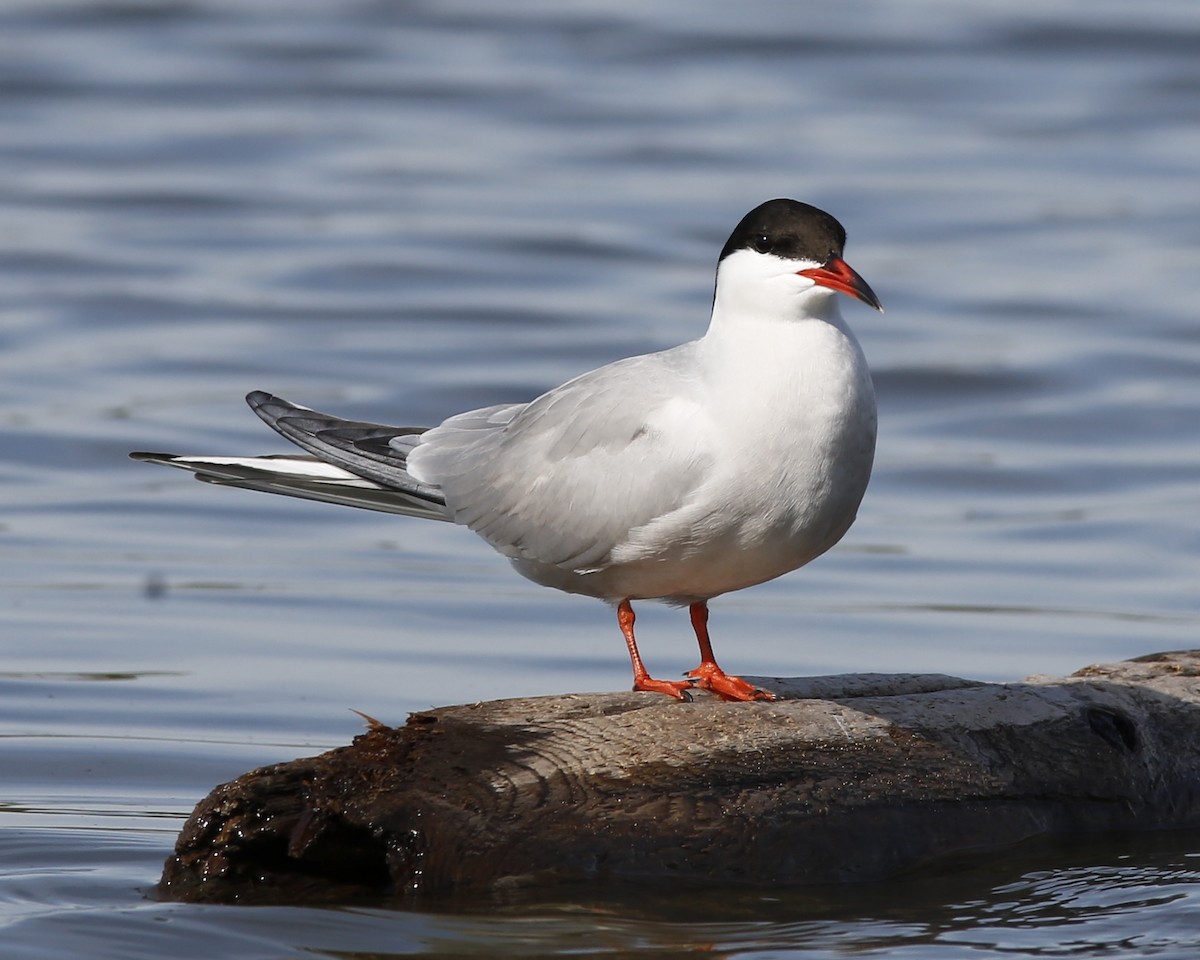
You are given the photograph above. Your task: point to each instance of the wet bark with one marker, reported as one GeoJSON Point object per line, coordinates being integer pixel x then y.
{"type": "Point", "coordinates": [846, 778]}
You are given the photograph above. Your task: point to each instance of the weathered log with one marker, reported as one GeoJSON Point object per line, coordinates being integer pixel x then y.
{"type": "Point", "coordinates": [847, 778]}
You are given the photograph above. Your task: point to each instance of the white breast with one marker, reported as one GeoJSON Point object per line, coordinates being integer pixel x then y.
{"type": "Point", "coordinates": [787, 415]}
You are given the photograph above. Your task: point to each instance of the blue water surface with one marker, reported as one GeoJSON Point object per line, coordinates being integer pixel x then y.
{"type": "Point", "coordinates": [396, 211]}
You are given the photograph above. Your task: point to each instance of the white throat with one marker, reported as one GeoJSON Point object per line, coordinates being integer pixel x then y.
{"type": "Point", "coordinates": [755, 288]}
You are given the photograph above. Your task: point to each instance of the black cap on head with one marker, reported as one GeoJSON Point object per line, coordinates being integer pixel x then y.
{"type": "Point", "coordinates": [788, 229]}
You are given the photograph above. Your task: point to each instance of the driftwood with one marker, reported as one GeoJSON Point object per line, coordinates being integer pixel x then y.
{"type": "Point", "coordinates": [847, 778]}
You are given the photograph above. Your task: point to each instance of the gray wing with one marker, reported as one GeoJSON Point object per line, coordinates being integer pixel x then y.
{"type": "Point", "coordinates": [354, 463]}
{"type": "Point", "coordinates": [565, 479]}
{"type": "Point", "coordinates": [373, 451]}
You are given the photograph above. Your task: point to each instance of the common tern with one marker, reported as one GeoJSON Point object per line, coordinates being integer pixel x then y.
{"type": "Point", "coordinates": [677, 476]}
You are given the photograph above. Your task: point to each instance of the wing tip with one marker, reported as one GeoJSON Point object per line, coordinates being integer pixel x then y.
{"type": "Point", "coordinates": [146, 456]}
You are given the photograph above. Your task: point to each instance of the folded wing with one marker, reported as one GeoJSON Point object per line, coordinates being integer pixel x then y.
{"type": "Point", "coordinates": [566, 479]}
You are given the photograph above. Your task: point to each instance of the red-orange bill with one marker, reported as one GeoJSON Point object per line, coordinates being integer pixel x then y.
{"type": "Point", "coordinates": [838, 275]}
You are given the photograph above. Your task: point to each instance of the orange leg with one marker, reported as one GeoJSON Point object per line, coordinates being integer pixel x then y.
{"type": "Point", "coordinates": [708, 675]}
{"type": "Point", "coordinates": [641, 679]}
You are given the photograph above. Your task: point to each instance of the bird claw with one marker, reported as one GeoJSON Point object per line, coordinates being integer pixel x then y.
{"type": "Point", "coordinates": [708, 676]}
{"type": "Point", "coordinates": [672, 688]}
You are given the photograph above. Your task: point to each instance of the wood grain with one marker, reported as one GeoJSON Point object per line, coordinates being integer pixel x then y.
{"type": "Point", "coordinates": [846, 778]}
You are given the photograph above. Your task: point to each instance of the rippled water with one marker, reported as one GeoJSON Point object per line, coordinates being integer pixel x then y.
{"type": "Point", "coordinates": [396, 211]}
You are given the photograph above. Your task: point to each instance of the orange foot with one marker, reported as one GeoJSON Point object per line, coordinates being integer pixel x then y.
{"type": "Point", "coordinates": [672, 688]}
{"type": "Point", "coordinates": [708, 676]}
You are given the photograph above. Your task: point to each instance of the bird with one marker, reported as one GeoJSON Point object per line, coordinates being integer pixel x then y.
{"type": "Point", "coordinates": [677, 476]}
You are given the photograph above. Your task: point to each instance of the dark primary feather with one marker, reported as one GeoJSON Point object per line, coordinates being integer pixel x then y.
{"type": "Point", "coordinates": [365, 449]}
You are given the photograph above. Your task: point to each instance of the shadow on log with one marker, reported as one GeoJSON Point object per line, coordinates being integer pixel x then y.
{"type": "Point", "coordinates": [847, 778]}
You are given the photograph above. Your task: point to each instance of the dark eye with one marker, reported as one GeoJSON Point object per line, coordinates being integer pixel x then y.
{"type": "Point", "coordinates": [763, 244]}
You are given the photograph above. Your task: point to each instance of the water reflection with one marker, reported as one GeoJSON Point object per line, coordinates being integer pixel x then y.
{"type": "Point", "coordinates": [1117, 895]}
